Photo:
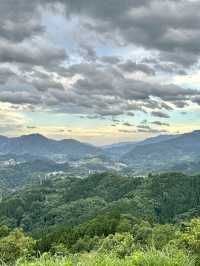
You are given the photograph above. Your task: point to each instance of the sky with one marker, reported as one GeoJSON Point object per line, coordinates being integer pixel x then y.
{"type": "Point", "coordinates": [99, 71]}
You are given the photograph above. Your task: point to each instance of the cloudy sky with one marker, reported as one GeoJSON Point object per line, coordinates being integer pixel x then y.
{"type": "Point", "coordinates": [99, 71]}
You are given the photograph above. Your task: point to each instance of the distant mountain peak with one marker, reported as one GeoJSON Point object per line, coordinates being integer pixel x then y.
{"type": "Point", "coordinates": [35, 136]}
{"type": "Point", "coordinates": [37, 144]}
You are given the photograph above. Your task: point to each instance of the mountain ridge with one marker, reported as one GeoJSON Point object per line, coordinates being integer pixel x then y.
{"type": "Point", "coordinates": [37, 144]}
{"type": "Point", "coordinates": [181, 149]}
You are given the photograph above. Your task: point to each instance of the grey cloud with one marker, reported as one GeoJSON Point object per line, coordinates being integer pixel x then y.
{"type": "Point", "coordinates": [45, 83]}
{"type": "Point", "coordinates": [127, 131]}
{"type": "Point", "coordinates": [145, 121]}
{"type": "Point", "coordinates": [130, 67]}
{"type": "Point", "coordinates": [159, 114]}
{"type": "Point", "coordinates": [148, 129]}
{"type": "Point", "coordinates": [170, 27]}
{"type": "Point", "coordinates": [31, 55]}
{"type": "Point", "coordinates": [159, 123]}
{"type": "Point", "coordinates": [113, 60]}
{"type": "Point", "coordinates": [130, 114]}
{"type": "Point", "coordinates": [21, 97]}
{"type": "Point", "coordinates": [145, 127]}
{"type": "Point", "coordinates": [110, 111]}
{"type": "Point", "coordinates": [166, 106]}
{"type": "Point", "coordinates": [20, 20]}
{"type": "Point", "coordinates": [196, 100]}
{"type": "Point", "coordinates": [99, 91]}
{"type": "Point", "coordinates": [127, 124]}
{"type": "Point", "coordinates": [102, 91]}
{"type": "Point", "coordinates": [180, 104]}
{"type": "Point", "coordinates": [88, 52]}
{"type": "Point", "coordinates": [6, 74]}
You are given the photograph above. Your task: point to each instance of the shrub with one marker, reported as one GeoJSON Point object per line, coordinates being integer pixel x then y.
{"type": "Point", "coordinates": [119, 244]}
{"type": "Point", "coordinates": [162, 258]}
{"type": "Point", "coordinates": [15, 245]}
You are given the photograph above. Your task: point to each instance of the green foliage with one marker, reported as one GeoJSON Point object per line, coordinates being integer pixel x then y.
{"type": "Point", "coordinates": [104, 219]}
{"type": "Point", "coordinates": [162, 235]}
{"type": "Point", "coordinates": [189, 238]}
{"type": "Point", "coordinates": [119, 244]}
{"type": "Point", "coordinates": [162, 258]}
{"type": "Point", "coordinates": [4, 231]}
{"type": "Point", "coordinates": [173, 194]}
{"type": "Point", "coordinates": [15, 245]}
{"type": "Point", "coordinates": [46, 260]}
{"type": "Point", "coordinates": [149, 258]}
{"type": "Point", "coordinates": [164, 198]}
{"type": "Point", "coordinates": [86, 244]}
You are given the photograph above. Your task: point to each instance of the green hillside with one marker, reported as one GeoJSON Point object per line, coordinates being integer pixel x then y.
{"type": "Point", "coordinates": [105, 219]}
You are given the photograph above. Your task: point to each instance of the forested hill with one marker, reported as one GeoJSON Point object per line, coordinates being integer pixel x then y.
{"type": "Point", "coordinates": [70, 201]}
{"type": "Point", "coordinates": [108, 215]}
{"type": "Point", "coordinates": [166, 154]}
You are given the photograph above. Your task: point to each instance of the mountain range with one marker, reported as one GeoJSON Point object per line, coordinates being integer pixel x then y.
{"type": "Point", "coordinates": [36, 144]}
{"type": "Point", "coordinates": [168, 152]}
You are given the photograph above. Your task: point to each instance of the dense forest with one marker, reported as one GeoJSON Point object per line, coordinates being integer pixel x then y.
{"type": "Point", "coordinates": [105, 219]}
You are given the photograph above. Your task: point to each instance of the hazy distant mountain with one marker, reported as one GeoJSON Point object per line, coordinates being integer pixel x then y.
{"type": "Point", "coordinates": [157, 139]}
{"type": "Point", "coordinates": [158, 155]}
{"type": "Point", "coordinates": [119, 149]}
{"type": "Point", "coordinates": [36, 144]}
{"type": "Point", "coordinates": [164, 152]}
